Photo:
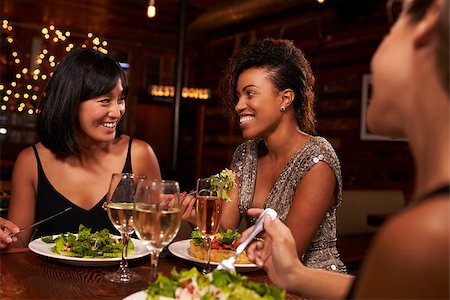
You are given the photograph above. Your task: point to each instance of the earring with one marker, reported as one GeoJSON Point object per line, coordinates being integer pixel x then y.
{"type": "Point", "coordinates": [282, 108]}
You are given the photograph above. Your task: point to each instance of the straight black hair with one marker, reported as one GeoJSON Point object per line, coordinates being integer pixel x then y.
{"type": "Point", "coordinates": [81, 75]}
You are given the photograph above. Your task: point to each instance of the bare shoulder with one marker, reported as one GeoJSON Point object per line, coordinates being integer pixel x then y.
{"type": "Point", "coordinates": [410, 256]}
{"type": "Point", "coordinates": [26, 160]}
{"type": "Point", "coordinates": [144, 160]}
{"type": "Point", "coordinates": [424, 228]}
{"type": "Point", "coordinates": [25, 170]}
{"type": "Point", "coordinates": [141, 148]}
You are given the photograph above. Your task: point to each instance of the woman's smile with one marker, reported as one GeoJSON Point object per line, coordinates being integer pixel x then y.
{"type": "Point", "coordinates": [245, 119]}
{"type": "Point", "coordinates": [109, 124]}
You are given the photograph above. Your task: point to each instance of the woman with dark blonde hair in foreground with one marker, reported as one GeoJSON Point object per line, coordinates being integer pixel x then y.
{"type": "Point", "coordinates": [410, 256]}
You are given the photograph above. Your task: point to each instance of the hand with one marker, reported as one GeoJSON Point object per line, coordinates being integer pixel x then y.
{"type": "Point", "coordinates": [277, 254]}
{"type": "Point", "coordinates": [188, 206]}
{"type": "Point", "coordinates": [7, 227]}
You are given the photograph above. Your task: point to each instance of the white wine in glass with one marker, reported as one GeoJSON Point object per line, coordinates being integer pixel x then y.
{"type": "Point", "coordinates": [121, 216]}
{"type": "Point", "coordinates": [157, 216]}
{"type": "Point", "coordinates": [119, 205]}
{"type": "Point", "coordinates": [209, 213]}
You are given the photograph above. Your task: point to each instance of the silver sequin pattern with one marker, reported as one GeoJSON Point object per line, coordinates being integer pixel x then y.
{"type": "Point", "coordinates": [322, 252]}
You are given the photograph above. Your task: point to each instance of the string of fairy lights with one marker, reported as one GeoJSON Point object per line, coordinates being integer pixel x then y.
{"type": "Point", "coordinates": [25, 77]}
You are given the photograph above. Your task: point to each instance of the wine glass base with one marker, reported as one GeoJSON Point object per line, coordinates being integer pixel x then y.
{"type": "Point", "coordinates": [206, 269]}
{"type": "Point", "coordinates": [123, 277]}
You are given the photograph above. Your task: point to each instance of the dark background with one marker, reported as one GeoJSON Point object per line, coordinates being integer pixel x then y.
{"type": "Point", "coordinates": [338, 37]}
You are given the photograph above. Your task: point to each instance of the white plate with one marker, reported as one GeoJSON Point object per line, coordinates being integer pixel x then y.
{"type": "Point", "coordinates": [141, 295]}
{"type": "Point", "coordinates": [181, 250]}
{"type": "Point", "coordinates": [44, 249]}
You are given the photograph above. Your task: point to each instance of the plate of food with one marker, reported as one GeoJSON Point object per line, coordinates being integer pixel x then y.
{"type": "Point", "coordinates": [84, 248]}
{"type": "Point", "coordinates": [223, 246]}
{"type": "Point", "coordinates": [219, 284]}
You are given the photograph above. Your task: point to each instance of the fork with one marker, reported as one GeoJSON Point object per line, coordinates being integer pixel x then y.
{"type": "Point", "coordinates": [40, 222]}
{"type": "Point", "coordinates": [228, 264]}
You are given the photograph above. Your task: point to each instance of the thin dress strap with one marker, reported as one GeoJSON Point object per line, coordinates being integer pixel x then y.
{"type": "Point", "coordinates": [128, 168]}
{"type": "Point", "coordinates": [37, 156]}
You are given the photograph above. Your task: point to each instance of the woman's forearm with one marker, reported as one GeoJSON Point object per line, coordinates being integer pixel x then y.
{"type": "Point", "coordinates": [319, 284]}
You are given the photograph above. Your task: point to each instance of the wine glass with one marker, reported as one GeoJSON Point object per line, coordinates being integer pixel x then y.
{"type": "Point", "coordinates": [208, 213]}
{"type": "Point", "coordinates": [119, 205]}
{"type": "Point", "coordinates": [157, 216]}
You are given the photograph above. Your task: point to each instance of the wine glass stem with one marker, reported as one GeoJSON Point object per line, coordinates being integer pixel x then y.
{"type": "Point", "coordinates": [124, 262]}
{"type": "Point", "coordinates": [207, 261]}
{"type": "Point", "coordinates": [154, 261]}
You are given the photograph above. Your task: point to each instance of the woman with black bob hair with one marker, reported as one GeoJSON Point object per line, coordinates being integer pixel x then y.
{"type": "Point", "coordinates": [81, 75]}
{"type": "Point", "coordinates": [79, 149]}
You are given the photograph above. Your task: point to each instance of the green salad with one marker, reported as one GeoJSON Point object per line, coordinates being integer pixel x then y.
{"type": "Point", "coordinates": [100, 244]}
{"type": "Point", "coordinates": [219, 284]}
{"type": "Point", "coordinates": [222, 240]}
{"type": "Point", "coordinates": [228, 180]}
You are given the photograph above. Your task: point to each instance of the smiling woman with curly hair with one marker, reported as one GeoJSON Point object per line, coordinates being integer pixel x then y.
{"type": "Point", "coordinates": [268, 88]}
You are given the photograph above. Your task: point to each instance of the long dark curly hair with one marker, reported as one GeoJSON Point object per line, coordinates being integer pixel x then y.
{"type": "Point", "coordinates": [287, 69]}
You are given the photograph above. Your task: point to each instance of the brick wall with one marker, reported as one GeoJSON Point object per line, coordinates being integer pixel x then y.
{"type": "Point", "coordinates": [339, 44]}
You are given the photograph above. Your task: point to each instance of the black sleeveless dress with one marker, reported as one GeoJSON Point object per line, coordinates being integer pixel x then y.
{"type": "Point", "coordinates": [50, 201]}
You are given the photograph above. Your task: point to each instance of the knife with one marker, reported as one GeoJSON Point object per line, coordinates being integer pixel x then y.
{"type": "Point", "coordinates": [40, 222]}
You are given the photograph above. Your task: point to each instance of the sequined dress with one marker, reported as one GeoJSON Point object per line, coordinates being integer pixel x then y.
{"type": "Point", "coordinates": [322, 252]}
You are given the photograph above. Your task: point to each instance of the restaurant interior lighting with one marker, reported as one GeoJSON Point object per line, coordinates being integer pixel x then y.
{"type": "Point", "coordinates": [151, 9]}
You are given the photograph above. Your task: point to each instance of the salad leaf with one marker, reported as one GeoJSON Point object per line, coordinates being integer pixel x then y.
{"type": "Point", "coordinates": [218, 284]}
{"type": "Point", "coordinates": [59, 244]}
{"type": "Point", "coordinates": [197, 237]}
{"type": "Point", "coordinates": [227, 237]}
{"type": "Point", "coordinates": [163, 286]}
{"type": "Point", "coordinates": [48, 239]}
{"type": "Point", "coordinates": [226, 178]}
{"type": "Point", "coordinates": [100, 244]}
{"type": "Point", "coordinates": [224, 238]}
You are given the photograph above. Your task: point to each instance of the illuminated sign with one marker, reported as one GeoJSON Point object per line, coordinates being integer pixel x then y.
{"type": "Point", "coordinates": [169, 92]}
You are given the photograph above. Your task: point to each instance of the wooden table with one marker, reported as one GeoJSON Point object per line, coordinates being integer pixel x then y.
{"type": "Point", "coordinates": [26, 275]}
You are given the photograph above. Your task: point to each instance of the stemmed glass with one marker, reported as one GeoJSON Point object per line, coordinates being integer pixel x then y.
{"type": "Point", "coordinates": [157, 216]}
{"type": "Point", "coordinates": [119, 205]}
{"type": "Point", "coordinates": [209, 212]}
